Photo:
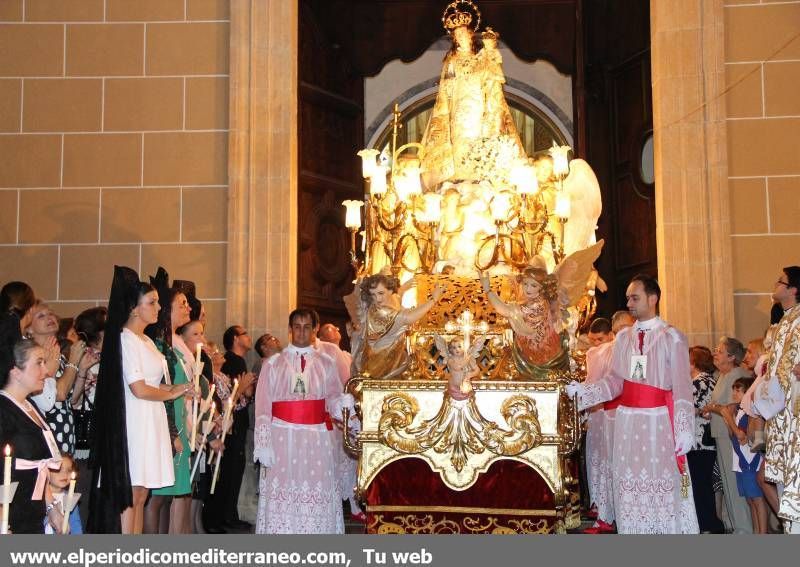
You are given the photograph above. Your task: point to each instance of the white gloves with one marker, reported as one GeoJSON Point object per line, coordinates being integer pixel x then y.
{"type": "Point", "coordinates": [683, 443]}
{"type": "Point", "coordinates": [574, 389]}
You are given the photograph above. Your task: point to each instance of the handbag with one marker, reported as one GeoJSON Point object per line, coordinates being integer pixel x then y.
{"type": "Point", "coordinates": [82, 419]}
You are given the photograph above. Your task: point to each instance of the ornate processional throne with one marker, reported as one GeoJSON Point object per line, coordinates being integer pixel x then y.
{"type": "Point", "coordinates": [464, 424]}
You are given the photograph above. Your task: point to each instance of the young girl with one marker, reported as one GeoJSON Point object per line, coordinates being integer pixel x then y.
{"type": "Point", "coordinates": [745, 462]}
{"type": "Point", "coordinates": [59, 486]}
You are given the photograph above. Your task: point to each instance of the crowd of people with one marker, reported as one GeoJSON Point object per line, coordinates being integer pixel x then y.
{"type": "Point", "coordinates": [127, 419]}
{"type": "Point", "coordinates": [687, 439]}
{"type": "Point", "coordinates": [155, 426]}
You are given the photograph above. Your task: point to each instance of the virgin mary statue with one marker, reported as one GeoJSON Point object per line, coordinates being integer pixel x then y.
{"type": "Point", "coordinates": [470, 135]}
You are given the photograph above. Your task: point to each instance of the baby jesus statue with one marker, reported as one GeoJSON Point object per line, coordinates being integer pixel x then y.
{"type": "Point", "coordinates": [461, 363]}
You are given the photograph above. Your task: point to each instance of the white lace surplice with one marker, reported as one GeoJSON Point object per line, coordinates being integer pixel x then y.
{"type": "Point", "coordinates": [298, 492]}
{"type": "Point", "coordinates": [647, 484]}
{"type": "Point", "coordinates": [346, 466]}
{"type": "Point", "coordinates": [599, 437]}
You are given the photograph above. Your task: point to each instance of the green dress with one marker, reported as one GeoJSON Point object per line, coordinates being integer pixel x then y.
{"type": "Point", "coordinates": [180, 461]}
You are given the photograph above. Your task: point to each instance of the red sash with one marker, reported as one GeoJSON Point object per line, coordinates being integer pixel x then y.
{"type": "Point", "coordinates": [613, 404]}
{"type": "Point", "coordinates": [635, 395]}
{"type": "Point", "coordinates": [300, 412]}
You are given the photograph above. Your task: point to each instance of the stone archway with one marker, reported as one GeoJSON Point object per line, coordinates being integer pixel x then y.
{"type": "Point", "coordinates": [692, 195]}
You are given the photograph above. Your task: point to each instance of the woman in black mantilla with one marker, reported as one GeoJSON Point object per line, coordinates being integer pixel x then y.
{"type": "Point", "coordinates": [131, 449]}
{"type": "Point", "coordinates": [23, 428]}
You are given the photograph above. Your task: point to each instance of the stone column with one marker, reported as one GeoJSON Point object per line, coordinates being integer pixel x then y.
{"type": "Point", "coordinates": [692, 200]}
{"type": "Point", "coordinates": [262, 208]}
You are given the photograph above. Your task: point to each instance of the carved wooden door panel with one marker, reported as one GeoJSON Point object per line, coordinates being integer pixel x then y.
{"type": "Point", "coordinates": [619, 120]}
{"type": "Point", "coordinates": [331, 126]}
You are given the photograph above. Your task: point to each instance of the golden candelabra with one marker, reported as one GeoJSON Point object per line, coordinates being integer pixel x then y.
{"type": "Point", "coordinates": [402, 219]}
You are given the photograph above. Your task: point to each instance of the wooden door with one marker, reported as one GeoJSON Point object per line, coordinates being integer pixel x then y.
{"type": "Point", "coordinates": [619, 119]}
{"type": "Point", "coordinates": [331, 130]}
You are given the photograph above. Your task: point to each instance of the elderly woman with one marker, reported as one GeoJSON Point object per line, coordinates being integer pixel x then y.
{"type": "Point", "coordinates": [24, 429]}
{"type": "Point", "coordinates": [66, 370]}
{"type": "Point", "coordinates": [728, 356]}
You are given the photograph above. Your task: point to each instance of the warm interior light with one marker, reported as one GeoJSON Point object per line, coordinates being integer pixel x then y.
{"type": "Point", "coordinates": [560, 155]}
{"type": "Point", "coordinates": [500, 206]}
{"type": "Point", "coordinates": [432, 210]}
{"type": "Point", "coordinates": [377, 183]}
{"type": "Point", "coordinates": [408, 183]}
{"type": "Point", "coordinates": [369, 162]}
{"type": "Point", "coordinates": [352, 217]}
{"type": "Point", "coordinates": [563, 206]}
{"type": "Point", "coordinates": [523, 177]}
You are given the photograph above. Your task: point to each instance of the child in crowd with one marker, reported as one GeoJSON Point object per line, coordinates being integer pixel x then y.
{"type": "Point", "coordinates": [59, 486]}
{"type": "Point", "coordinates": [745, 462]}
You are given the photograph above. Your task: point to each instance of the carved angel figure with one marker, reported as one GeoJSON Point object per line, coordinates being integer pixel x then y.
{"type": "Point", "coordinates": [379, 325]}
{"type": "Point", "coordinates": [461, 365]}
{"type": "Point", "coordinates": [539, 316]}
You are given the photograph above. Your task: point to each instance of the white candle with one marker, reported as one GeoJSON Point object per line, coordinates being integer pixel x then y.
{"type": "Point", "coordinates": [210, 419]}
{"type": "Point", "coordinates": [197, 355]}
{"type": "Point", "coordinates": [165, 368]}
{"type": "Point", "coordinates": [68, 503]}
{"type": "Point", "coordinates": [235, 388]}
{"type": "Point", "coordinates": [6, 489]}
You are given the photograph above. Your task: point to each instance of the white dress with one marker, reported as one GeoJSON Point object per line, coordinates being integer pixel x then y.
{"type": "Point", "coordinates": [149, 444]}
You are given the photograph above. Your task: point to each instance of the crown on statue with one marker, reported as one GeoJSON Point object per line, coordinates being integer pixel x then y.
{"type": "Point", "coordinates": [490, 34]}
{"type": "Point", "coordinates": [461, 13]}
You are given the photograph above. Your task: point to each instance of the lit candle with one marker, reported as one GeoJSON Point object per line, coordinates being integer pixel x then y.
{"type": "Point", "coordinates": [368, 162]}
{"type": "Point", "coordinates": [68, 503]}
{"type": "Point", "coordinates": [6, 489]}
{"type": "Point", "coordinates": [408, 184]}
{"type": "Point", "coordinates": [198, 368]}
{"type": "Point", "coordinates": [432, 211]}
{"type": "Point", "coordinates": [210, 420]}
{"type": "Point", "coordinates": [523, 177]}
{"type": "Point", "coordinates": [377, 183]}
{"type": "Point", "coordinates": [560, 155]}
{"type": "Point", "coordinates": [352, 217]}
{"type": "Point", "coordinates": [500, 206]}
{"type": "Point", "coordinates": [563, 207]}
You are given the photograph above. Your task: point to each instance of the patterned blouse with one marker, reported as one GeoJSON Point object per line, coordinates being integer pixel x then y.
{"type": "Point", "coordinates": [60, 418]}
{"type": "Point", "coordinates": [703, 385]}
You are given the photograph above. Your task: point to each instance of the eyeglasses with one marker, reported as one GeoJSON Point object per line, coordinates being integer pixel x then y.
{"type": "Point", "coordinates": [781, 282]}
{"type": "Point", "coordinates": [242, 333]}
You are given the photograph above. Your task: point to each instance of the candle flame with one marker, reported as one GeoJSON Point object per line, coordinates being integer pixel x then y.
{"type": "Point", "coordinates": [8, 450]}
{"type": "Point", "coordinates": [73, 475]}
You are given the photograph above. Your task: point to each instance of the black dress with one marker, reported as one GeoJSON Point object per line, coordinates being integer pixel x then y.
{"type": "Point", "coordinates": [27, 441]}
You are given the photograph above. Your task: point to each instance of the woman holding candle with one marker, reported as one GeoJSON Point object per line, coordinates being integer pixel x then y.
{"type": "Point", "coordinates": [180, 360]}
{"type": "Point", "coordinates": [131, 450]}
{"type": "Point", "coordinates": [62, 485]}
{"type": "Point", "coordinates": [193, 336]}
{"type": "Point", "coordinates": [30, 443]}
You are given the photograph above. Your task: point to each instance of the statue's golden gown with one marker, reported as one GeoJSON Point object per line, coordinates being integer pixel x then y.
{"type": "Point", "coordinates": [383, 351]}
{"type": "Point", "coordinates": [470, 107]}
